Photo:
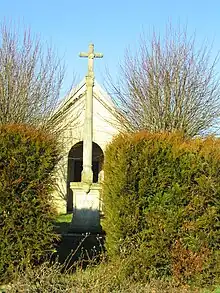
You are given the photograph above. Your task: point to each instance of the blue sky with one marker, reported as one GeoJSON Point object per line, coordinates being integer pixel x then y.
{"type": "Point", "coordinates": [111, 25]}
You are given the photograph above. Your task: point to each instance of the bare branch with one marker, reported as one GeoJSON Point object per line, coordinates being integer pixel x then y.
{"type": "Point", "coordinates": [30, 78]}
{"type": "Point", "coordinates": [169, 85]}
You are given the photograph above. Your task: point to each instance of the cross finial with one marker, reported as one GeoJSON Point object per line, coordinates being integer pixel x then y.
{"type": "Point", "coordinates": [91, 55]}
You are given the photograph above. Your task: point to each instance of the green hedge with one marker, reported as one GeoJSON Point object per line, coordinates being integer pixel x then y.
{"type": "Point", "coordinates": [27, 160]}
{"type": "Point", "coordinates": [162, 205]}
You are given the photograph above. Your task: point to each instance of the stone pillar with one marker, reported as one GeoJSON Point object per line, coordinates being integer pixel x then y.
{"type": "Point", "coordinates": [86, 208]}
{"type": "Point", "coordinates": [87, 174]}
{"type": "Point", "coordinates": [86, 194]}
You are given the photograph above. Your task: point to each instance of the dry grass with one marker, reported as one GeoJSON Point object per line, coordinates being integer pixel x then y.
{"type": "Point", "coordinates": [102, 278]}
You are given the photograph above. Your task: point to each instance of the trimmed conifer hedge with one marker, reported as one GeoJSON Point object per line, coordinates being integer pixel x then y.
{"type": "Point", "coordinates": [27, 160]}
{"type": "Point", "coordinates": [162, 205]}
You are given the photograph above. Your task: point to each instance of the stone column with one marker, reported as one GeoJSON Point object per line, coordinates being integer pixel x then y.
{"type": "Point", "coordinates": [87, 174]}
{"type": "Point", "coordinates": [86, 194]}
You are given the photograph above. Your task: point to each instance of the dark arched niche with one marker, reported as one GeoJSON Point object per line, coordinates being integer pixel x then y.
{"type": "Point", "coordinates": [75, 166]}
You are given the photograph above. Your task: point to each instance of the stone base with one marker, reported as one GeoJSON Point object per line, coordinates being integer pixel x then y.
{"type": "Point", "coordinates": [86, 208]}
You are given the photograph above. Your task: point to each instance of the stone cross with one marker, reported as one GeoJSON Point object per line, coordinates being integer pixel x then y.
{"type": "Point", "coordinates": [87, 174]}
{"type": "Point", "coordinates": [91, 55]}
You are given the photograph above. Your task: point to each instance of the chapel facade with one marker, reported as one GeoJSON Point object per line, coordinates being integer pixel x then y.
{"type": "Point", "coordinates": [69, 170]}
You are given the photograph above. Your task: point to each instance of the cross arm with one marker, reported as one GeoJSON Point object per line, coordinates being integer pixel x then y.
{"type": "Point", "coordinates": [83, 54]}
{"type": "Point", "coordinates": [98, 55]}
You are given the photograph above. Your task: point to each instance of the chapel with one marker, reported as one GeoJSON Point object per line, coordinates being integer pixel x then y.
{"type": "Point", "coordinates": [103, 129]}
{"type": "Point", "coordinates": [87, 121]}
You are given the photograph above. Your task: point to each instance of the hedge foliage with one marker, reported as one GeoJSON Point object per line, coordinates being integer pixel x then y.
{"type": "Point", "coordinates": [27, 161]}
{"type": "Point", "coordinates": [162, 205]}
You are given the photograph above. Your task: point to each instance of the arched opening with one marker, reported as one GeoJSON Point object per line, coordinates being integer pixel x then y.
{"type": "Point", "coordinates": [75, 167]}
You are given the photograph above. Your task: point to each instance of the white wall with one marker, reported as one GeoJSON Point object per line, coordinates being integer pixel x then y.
{"type": "Point", "coordinates": [103, 131]}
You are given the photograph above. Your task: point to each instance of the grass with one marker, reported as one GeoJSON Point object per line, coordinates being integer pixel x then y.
{"type": "Point", "coordinates": [62, 223]}
{"type": "Point", "coordinates": [64, 218]}
{"type": "Point", "coordinates": [216, 290]}
{"type": "Point", "coordinates": [105, 277]}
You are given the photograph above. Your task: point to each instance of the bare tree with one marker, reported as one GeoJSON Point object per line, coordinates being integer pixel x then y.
{"type": "Point", "coordinates": [168, 85]}
{"type": "Point", "coordinates": [30, 78]}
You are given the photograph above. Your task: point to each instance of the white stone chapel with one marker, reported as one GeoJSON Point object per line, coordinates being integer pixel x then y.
{"type": "Point", "coordinates": [88, 126]}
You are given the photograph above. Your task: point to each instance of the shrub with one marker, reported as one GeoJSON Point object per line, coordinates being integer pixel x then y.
{"type": "Point", "coordinates": [27, 160]}
{"type": "Point", "coordinates": [162, 205]}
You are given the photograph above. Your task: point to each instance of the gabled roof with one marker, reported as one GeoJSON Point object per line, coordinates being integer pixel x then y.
{"type": "Point", "coordinates": [79, 91]}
